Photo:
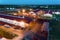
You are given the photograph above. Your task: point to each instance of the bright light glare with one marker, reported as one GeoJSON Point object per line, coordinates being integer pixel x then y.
{"type": "Point", "coordinates": [22, 24]}
{"type": "Point", "coordinates": [49, 15]}
{"type": "Point", "coordinates": [57, 12]}
{"type": "Point", "coordinates": [23, 10]}
{"type": "Point", "coordinates": [14, 14]}
{"type": "Point", "coordinates": [14, 22]}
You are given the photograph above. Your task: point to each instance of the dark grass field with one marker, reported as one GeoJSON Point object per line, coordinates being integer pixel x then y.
{"type": "Point", "coordinates": [55, 31]}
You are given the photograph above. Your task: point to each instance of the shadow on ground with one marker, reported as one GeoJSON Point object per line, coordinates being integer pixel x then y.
{"type": "Point", "coordinates": [55, 32]}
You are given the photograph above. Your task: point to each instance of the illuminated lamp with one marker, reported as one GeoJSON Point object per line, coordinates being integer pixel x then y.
{"type": "Point", "coordinates": [22, 24]}
{"type": "Point", "coordinates": [30, 9]}
{"type": "Point", "coordinates": [23, 10]}
{"type": "Point", "coordinates": [15, 14]}
{"type": "Point", "coordinates": [14, 22]}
